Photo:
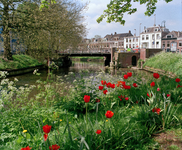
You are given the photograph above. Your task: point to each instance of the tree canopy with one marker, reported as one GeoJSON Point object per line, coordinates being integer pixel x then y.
{"type": "Point", "coordinates": [117, 8]}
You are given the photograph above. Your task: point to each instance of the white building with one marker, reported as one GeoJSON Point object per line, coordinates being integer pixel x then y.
{"type": "Point", "coordinates": [151, 37]}
{"type": "Point", "coordinates": [131, 42]}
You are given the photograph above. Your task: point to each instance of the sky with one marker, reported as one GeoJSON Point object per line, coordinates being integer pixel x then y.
{"type": "Point", "coordinates": [170, 12]}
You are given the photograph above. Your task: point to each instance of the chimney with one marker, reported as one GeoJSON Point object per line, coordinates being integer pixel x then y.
{"type": "Point", "coordinates": [178, 33]}
{"type": "Point", "coordinates": [129, 31]}
{"type": "Point", "coordinates": [111, 33]}
{"type": "Point", "coordinates": [115, 33]}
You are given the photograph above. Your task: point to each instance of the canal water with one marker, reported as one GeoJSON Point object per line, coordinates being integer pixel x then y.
{"type": "Point", "coordinates": [76, 67]}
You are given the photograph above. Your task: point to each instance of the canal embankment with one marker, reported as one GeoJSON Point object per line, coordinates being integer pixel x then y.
{"type": "Point", "coordinates": [169, 64]}
{"type": "Point", "coordinates": [95, 59]}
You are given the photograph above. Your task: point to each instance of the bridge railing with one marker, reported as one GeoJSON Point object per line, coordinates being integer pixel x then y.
{"type": "Point", "coordinates": [86, 51]}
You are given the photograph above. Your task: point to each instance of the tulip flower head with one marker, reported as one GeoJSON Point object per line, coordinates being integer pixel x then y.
{"type": "Point", "coordinates": [86, 98]}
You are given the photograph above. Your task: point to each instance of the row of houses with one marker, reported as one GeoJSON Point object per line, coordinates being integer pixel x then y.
{"type": "Point", "coordinates": [152, 37]}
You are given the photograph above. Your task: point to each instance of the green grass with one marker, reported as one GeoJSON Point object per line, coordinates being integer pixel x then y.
{"type": "Point", "coordinates": [18, 62]}
{"type": "Point", "coordinates": [170, 62]}
{"type": "Point", "coordinates": [131, 126]}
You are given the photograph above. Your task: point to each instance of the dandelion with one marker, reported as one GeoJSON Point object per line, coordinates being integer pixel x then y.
{"type": "Point", "coordinates": [24, 131]}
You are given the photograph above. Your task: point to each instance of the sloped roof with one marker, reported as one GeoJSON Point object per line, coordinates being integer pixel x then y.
{"type": "Point", "coordinates": [120, 36]}
{"type": "Point", "coordinates": [175, 34]}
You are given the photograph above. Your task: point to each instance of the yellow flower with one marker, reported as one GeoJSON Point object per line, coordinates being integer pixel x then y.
{"type": "Point", "coordinates": [24, 131]}
{"type": "Point", "coordinates": [106, 120]}
{"type": "Point", "coordinates": [69, 122]}
{"type": "Point", "coordinates": [132, 107]}
{"type": "Point", "coordinates": [61, 120]}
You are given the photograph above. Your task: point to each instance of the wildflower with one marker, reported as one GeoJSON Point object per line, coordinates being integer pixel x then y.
{"type": "Point", "coordinates": [158, 89]}
{"type": "Point", "coordinates": [86, 98]}
{"type": "Point", "coordinates": [98, 131]}
{"type": "Point", "coordinates": [26, 148]}
{"type": "Point", "coordinates": [129, 74]}
{"type": "Point", "coordinates": [168, 95]}
{"type": "Point", "coordinates": [54, 147]}
{"type": "Point", "coordinates": [126, 98]}
{"type": "Point", "coordinates": [24, 131]}
{"type": "Point", "coordinates": [103, 82]}
{"type": "Point", "coordinates": [101, 87]}
{"type": "Point", "coordinates": [105, 91]}
{"type": "Point", "coordinates": [106, 120]}
{"type": "Point", "coordinates": [69, 122]}
{"type": "Point", "coordinates": [109, 114]}
{"type": "Point", "coordinates": [156, 75]}
{"type": "Point", "coordinates": [125, 76]}
{"type": "Point", "coordinates": [177, 80]}
{"type": "Point", "coordinates": [135, 85]}
{"type": "Point", "coordinates": [46, 129]}
{"type": "Point", "coordinates": [152, 84]}
{"type": "Point", "coordinates": [61, 120]}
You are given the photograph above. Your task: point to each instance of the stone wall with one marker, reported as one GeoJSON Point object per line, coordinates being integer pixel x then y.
{"type": "Point", "coordinates": [146, 53]}
{"type": "Point", "coordinates": [125, 59]}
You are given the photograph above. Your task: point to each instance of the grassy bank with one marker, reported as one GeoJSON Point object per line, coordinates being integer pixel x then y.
{"type": "Point", "coordinates": [99, 112]}
{"type": "Point", "coordinates": [18, 62]}
{"type": "Point", "coordinates": [169, 62]}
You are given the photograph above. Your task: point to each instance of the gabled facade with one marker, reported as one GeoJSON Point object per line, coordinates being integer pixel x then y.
{"type": "Point", "coordinates": [172, 42]}
{"type": "Point", "coordinates": [151, 37]}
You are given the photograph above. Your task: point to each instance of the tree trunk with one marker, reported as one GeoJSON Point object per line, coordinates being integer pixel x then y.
{"type": "Point", "coordinates": [6, 35]}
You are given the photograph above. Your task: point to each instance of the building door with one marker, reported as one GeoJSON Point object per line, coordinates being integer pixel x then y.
{"type": "Point", "coordinates": [134, 61]}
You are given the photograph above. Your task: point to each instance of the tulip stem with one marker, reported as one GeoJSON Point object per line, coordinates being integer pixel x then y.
{"type": "Point", "coordinates": [86, 112]}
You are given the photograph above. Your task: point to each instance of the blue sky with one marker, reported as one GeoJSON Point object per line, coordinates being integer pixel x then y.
{"type": "Point", "coordinates": [170, 12]}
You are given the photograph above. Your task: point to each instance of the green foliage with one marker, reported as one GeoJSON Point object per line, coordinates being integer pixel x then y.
{"type": "Point", "coordinates": [19, 62]}
{"type": "Point", "coordinates": [117, 8]}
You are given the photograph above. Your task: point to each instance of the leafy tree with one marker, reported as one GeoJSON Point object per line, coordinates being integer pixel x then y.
{"type": "Point", "coordinates": [117, 8]}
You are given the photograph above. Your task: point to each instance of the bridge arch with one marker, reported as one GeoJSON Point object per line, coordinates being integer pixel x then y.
{"type": "Point", "coordinates": [134, 60]}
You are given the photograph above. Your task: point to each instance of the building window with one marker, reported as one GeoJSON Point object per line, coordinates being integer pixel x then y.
{"type": "Point", "coordinates": [158, 37]}
{"type": "Point", "coordinates": [126, 45]}
{"type": "Point", "coordinates": [156, 29]}
{"type": "Point", "coordinates": [126, 39]}
{"type": "Point", "coordinates": [168, 44]}
{"type": "Point", "coordinates": [180, 43]}
{"type": "Point", "coordinates": [133, 39]}
{"type": "Point", "coordinates": [163, 44]}
{"type": "Point", "coordinates": [122, 44]}
{"type": "Point", "coordinates": [143, 37]}
{"type": "Point", "coordinates": [136, 39]}
{"type": "Point", "coordinates": [133, 45]}
{"type": "Point", "coordinates": [147, 37]}
{"type": "Point", "coordinates": [129, 45]}
{"type": "Point", "coordinates": [130, 40]}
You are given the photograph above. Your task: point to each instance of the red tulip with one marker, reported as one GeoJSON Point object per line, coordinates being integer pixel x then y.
{"type": "Point", "coordinates": [156, 75]}
{"type": "Point", "coordinates": [97, 100]}
{"type": "Point", "coordinates": [177, 80]}
{"type": "Point", "coordinates": [101, 87]}
{"type": "Point", "coordinates": [54, 147]}
{"type": "Point", "coordinates": [149, 95]}
{"type": "Point", "coordinates": [103, 82]}
{"type": "Point", "coordinates": [158, 110]}
{"type": "Point", "coordinates": [45, 137]}
{"type": "Point", "coordinates": [105, 91]}
{"type": "Point", "coordinates": [168, 95]}
{"type": "Point", "coordinates": [135, 85]}
{"type": "Point", "coordinates": [108, 84]}
{"type": "Point", "coordinates": [152, 84]}
{"type": "Point", "coordinates": [125, 76]}
{"type": "Point", "coordinates": [98, 131]}
{"type": "Point", "coordinates": [86, 98]}
{"type": "Point", "coordinates": [126, 98]}
{"type": "Point", "coordinates": [46, 129]}
{"type": "Point", "coordinates": [158, 89]}
{"type": "Point", "coordinates": [129, 74]}
{"type": "Point", "coordinates": [26, 148]}
{"type": "Point", "coordinates": [109, 114]}
{"type": "Point", "coordinates": [112, 86]}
